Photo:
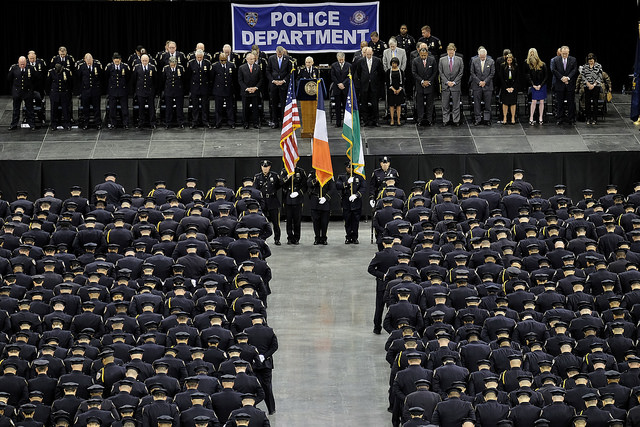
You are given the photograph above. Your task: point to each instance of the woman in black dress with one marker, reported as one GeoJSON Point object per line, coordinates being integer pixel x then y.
{"type": "Point", "coordinates": [508, 75]}
{"type": "Point", "coordinates": [395, 90]}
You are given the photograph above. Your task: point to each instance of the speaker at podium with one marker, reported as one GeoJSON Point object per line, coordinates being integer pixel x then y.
{"type": "Point", "coordinates": [307, 97]}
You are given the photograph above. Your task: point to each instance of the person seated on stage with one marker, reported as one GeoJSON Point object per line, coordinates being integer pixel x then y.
{"type": "Point", "coordinates": [590, 86]}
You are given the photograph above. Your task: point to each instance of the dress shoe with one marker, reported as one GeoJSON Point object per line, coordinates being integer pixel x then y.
{"type": "Point", "coordinates": [181, 126]}
{"type": "Point", "coordinates": [289, 242]}
{"type": "Point", "coordinates": [272, 126]}
{"type": "Point", "coordinates": [487, 123]}
{"type": "Point", "coordinates": [208, 126]}
{"type": "Point", "coordinates": [192, 126]}
{"type": "Point", "coordinates": [476, 123]}
{"type": "Point", "coordinates": [272, 412]}
{"type": "Point", "coordinates": [166, 126]}
{"type": "Point", "coordinates": [153, 126]}
{"type": "Point", "coordinates": [85, 127]}
{"type": "Point", "coordinates": [374, 124]}
{"type": "Point", "coordinates": [126, 127]}
{"type": "Point", "coordinates": [218, 125]}
{"type": "Point", "coordinates": [277, 243]}
{"type": "Point", "coordinates": [296, 242]}
{"type": "Point", "coordinates": [69, 128]}
{"type": "Point", "coordinates": [246, 126]}
{"type": "Point", "coordinates": [355, 242]}
{"type": "Point", "coordinates": [347, 241]}
{"type": "Point", "coordinates": [13, 127]}
{"type": "Point", "coordinates": [558, 122]}
{"type": "Point", "coordinates": [316, 242]}
{"type": "Point", "coordinates": [256, 126]}
{"type": "Point", "coordinates": [428, 124]}
{"type": "Point", "coordinates": [110, 126]}
{"type": "Point", "coordinates": [338, 125]}
{"type": "Point", "coordinates": [444, 124]}
{"type": "Point", "coordinates": [457, 124]}
{"type": "Point", "coordinates": [99, 127]}
{"type": "Point", "coordinates": [377, 330]}
{"type": "Point", "coordinates": [53, 128]}
{"type": "Point", "coordinates": [324, 241]}
{"type": "Point", "coordinates": [32, 128]}
{"type": "Point", "coordinates": [232, 126]}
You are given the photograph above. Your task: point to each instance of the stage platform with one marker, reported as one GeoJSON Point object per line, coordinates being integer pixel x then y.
{"type": "Point", "coordinates": [615, 133]}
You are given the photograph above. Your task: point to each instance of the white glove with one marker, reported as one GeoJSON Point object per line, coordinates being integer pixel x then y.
{"type": "Point", "coordinates": [353, 197]}
{"type": "Point", "coordinates": [372, 203]}
{"type": "Point", "coordinates": [350, 180]}
{"type": "Point", "coordinates": [261, 357]}
{"type": "Point", "coordinates": [322, 200]}
{"type": "Point", "coordinates": [293, 195]}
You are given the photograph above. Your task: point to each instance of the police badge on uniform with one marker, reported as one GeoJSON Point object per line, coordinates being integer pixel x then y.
{"type": "Point", "coordinates": [95, 71]}
{"type": "Point", "coordinates": [251, 18]}
{"type": "Point", "coordinates": [150, 73]}
{"type": "Point", "coordinates": [123, 71]}
{"type": "Point", "coordinates": [178, 72]}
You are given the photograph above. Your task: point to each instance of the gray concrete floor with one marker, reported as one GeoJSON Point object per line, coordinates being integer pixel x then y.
{"type": "Point", "coordinates": [330, 368]}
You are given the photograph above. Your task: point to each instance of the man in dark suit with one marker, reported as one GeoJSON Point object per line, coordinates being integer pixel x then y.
{"type": "Point", "coordinates": [89, 75]}
{"type": "Point", "coordinates": [451, 69]}
{"type": "Point", "coordinates": [199, 76]}
{"type": "Point", "coordinates": [340, 71]}
{"type": "Point", "coordinates": [22, 78]}
{"type": "Point", "coordinates": [278, 75]}
{"type": "Point", "coordinates": [223, 75]}
{"type": "Point", "coordinates": [565, 69]}
{"type": "Point", "coordinates": [250, 80]}
{"type": "Point", "coordinates": [118, 74]}
{"type": "Point", "coordinates": [425, 71]}
{"type": "Point", "coordinates": [172, 77]}
{"type": "Point", "coordinates": [309, 71]}
{"type": "Point", "coordinates": [482, 73]}
{"type": "Point", "coordinates": [369, 78]}
{"type": "Point", "coordinates": [144, 77]}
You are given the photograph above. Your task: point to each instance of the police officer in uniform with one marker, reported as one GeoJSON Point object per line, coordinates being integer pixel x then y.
{"type": "Point", "coordinates": [89, 75]}
{"type": "Point", "coordinates": [405, 40]}
{"type": "Point", "coordinates": [22, 79]}
{"type": "Point", "coordinates": [172, 52]}
{"type": "Point", "coordinates": [40, 67]}
{"type": "Point", "coordinates": [376, 182]}
{"type": "Point", "coordinates": [199, 79]}
{"type": "Point", "coordinates": [377, 45]}
{"type": "Point", "coordinates": [433, 43]}
{"type": "Point", "coordinates": [144, 75]}
{"type": "Point", "coordinates": [172, 76]}
{"type": "Point", "coordinates": [118, 74]}
{"type": "Point", "coordinates": [351, 188]}
{"type": "Point", "coordinates": [59, 84]}
{"type": "Point", "coordinates": [319, 202]}
{"type": "Point", "coordinates": [67, 62]}
{"type": "Point", "coordinates": [223, 76]}
{"type": "Point", "coordinates": [293, 188]}
{"type": "Point", "coordinates": [200, 46]}
{"type": "Point", "coordinates": [269, 182]}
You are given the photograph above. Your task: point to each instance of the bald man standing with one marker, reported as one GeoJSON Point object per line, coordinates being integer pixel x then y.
{"type": "Point", "coordinates": [22, 78]}
{"type": "Point", "coordinates": [89, 77]}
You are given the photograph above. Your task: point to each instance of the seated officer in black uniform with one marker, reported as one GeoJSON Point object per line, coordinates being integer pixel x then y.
{"type": "Point", "coordinates": [173, 83]}
{"type": "Point", "coordinates": [22, 79]}
{"type": "Point", "coordinates": [118, 75]}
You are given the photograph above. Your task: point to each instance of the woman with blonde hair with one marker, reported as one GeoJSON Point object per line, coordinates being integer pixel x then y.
{"type": "Point", "coordinates": [537, 74]}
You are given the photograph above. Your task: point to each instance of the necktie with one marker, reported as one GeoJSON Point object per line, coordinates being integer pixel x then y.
{"type": "Point", "coordinates": [482, 68]}
{"type": "Point", "coordinates": [369, 64]}
{"type": "Point", "coordinates": [341, 65]}
{"type": "Point", "coordinates": [251, 68]}
{"type": "Point", "coordinates": [224, 66]}
{"type": "Point", "coordinates": [279, 62]}
{"type": "Point", "coordinates": [424, 63]}
{"type": "Point", "coordinates": [450, 64]}
{"type": "Point", "coordinates": [117, 68]}
{"type": "Point", "coordinates": [199, 64]}
{"type": "Point", "coordinates": [90, 68]}
{"type": "Point", "coordinates": [145, 69]}
{"type": "Point", "coordinates": [394, 53]}
{"type": "Point", "coordinates": [173, 70]}
{"type": "Point", "coordinates": [564, 61]}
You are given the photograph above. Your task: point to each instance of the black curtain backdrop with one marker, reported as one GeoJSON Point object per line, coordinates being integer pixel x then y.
{"type": "Point", "coordinates": [608, 30]}
{"type": "Point", "coordinates": [577, 170]}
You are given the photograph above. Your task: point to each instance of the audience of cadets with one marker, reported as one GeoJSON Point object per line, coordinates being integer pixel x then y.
{"type": "Point", "coordinates": [119, 309]}
{"type": "Point", "coordinates": [507, 308]}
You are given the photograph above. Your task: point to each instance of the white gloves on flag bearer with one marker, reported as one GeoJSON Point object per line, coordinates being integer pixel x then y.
{"type": "Point", "coordinates": [322, 200]}
{"type": "Point", "coordinates": [372, 203]}
{"type": "Point", "coordinates": [350, 180]}
{"type": "Point", "coordinates": [353, 197]}
{"type": "Point", "coordinates": [293, 195]}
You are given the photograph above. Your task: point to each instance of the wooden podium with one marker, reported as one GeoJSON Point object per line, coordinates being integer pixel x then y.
{"type": "Point", "coordinates": [307, 96]}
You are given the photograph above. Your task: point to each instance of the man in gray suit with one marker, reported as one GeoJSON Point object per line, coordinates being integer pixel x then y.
{"type": "Point", "coordinates": [451, 69]}
{"type": "Point", "coordinates": [482, 73]}
{"type": "Point", "coordinates": [394, 52]}
{"type": "Point", "coordinates": [424, 73]}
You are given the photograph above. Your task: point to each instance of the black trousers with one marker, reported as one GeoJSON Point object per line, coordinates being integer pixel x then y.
{"type": "Point", "coordinates": [224, 106]}
{"type": "Point", "coordinates": [37, 97]}
{"type": "Point", "coordinates": [146, 113]}
{"type": "Point", "coordinates": [570, 96]}
{"type": "Point", "coordinates": [88, 100]}
{"type": "Point", "coordinates": [123, 100]}
{"type": "Point", "coordinates": [278, 95]}
{"type": "Point", "coordinates": [341, 100]}
{"type": "Point", "coordinates": [250, 109]}
{"type": "Point", "coordinates": [591, 102]}
{"type": "Point", "coordinates": [377, 316]}
{"type": "Point", "coordinates": [351, 223]}
{"type": "Point", "coordinates": [28, 103]}
{"type": "Point", "coordinates": [369, 102]}
{"type": "Point", "coordinates": [60, 100]}
{"type": "Point", "coordinates": [320, 220]}
{"type": "Point", "coordinates": [168, 103]}
{"type": "Point", "coordinates": [294, 218]}
{"type": "Point", "coordinates": [480, 95]}
{"type": "Point", "coordinates": [273, 215]}
{"type": "Point", "coordinates": [200, 112]}
{"type": "Point", "coordinates": [424, 114]}
{"type": "Point", "coordinates": [265, 378]}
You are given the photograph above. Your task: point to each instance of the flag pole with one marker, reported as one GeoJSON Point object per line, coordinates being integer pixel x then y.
{"type": "Point", "coordinates": [351, 159]}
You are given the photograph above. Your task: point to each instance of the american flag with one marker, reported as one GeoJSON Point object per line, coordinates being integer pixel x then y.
{"type": "Point", "coordinates": [290, 123]}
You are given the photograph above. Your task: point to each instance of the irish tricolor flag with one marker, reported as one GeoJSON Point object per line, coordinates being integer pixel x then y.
{"type": "Point", "coordinates": [321, 156]}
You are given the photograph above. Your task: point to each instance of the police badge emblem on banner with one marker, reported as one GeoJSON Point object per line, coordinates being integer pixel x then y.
{"type": "Point", "coordinates": [321, 27]}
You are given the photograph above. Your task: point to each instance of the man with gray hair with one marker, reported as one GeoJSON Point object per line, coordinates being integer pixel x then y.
{"type": "Point", "coordinates": [482, 71]}
{"type": "Point", "coordinates": [89, 76]}
{"type": "Point", "coordinates": [250, 80]}
{"type": "Point", "coordinates": [173, 81]}
{"type": "Point", "coordinates": [394, 52]}
{"type": "Point", "coordinates": [340, 71]}
{"type": "Point", "coordinates": [278, 76]}
{"type": "Point", "coordinates": [199, 83]}
{"type": "Point", "coordinates": [172, 52]}
{"type": "Point", "coordinates": [22, 78]}
{"type": "Point", "coordinates": [309, 71]}
{"type": "Point", "coordinates": [118, 74]}
{"type": "Point", "coordinates": [200, 46]}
